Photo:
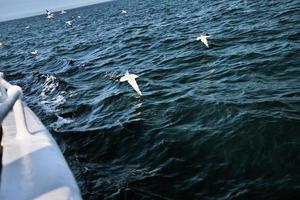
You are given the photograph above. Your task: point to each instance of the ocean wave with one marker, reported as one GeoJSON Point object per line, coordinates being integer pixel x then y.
{"type": "Point", "coordinates": [51, 97]}
{"type": "Point", "coordinates": [213, 123]}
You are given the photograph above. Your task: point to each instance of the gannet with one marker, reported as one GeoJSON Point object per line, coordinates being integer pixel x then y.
{"type": "Point", "coordinates": [69, 22]}
{"type": "Point", "coordinates": [78, 17]}
{"type": "Point", "coordinates": [35, 52]}
{"type": "Point", "coordinates": [0, 44]}
{"type": "Point", "coordinates": [49, 14]}
{"type": "Point", "coordinates": [203, 39]}
{"type": "Point", "coordinates": [131, 80]}
{"type": "Point", "coordinates": [27, 27]}
{"type": "Point", "coordinates": [124, 11]}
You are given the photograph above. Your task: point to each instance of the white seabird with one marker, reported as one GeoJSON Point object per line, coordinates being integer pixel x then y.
{"type": "Point", "coordinates": [124, 11]}
{"type": "Point", "coordinates": [49, 14]}
{"type": "Point", "coordinates": [69, 22]}
{"type": "Point", "coordinates": [203, 39]}
{"type": "Point", "coordinates": [63, 12]}
{"type": "Point", "coordinates": [35, 52]}
{"type": "Point", "coordinates": [78, 17]}
{"type": "Point", "coordinates": [0, 44]}
{"type": "Point", "coordinates": [131, 80]}
{"type": "Point", "coordinates": [27, 27]}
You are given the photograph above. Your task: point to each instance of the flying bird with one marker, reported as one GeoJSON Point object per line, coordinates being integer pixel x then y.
{"type": "Point", "coordinates": [131, 80]}
{"type": "Point", "coordinates": [27, 27]}
{"type": "Point", "coordinates": [69, 22]}
{"type": "Point", "coordinates": [124, 11]}
{"type": "Point", "coordinates": [63, 12]}
{"type": "Point", "coordinates": [203, 39]}
{"type": "Point", "coordinates": [35, 52]}
{"type": "Point", "coordinates": [0, 44]}
{"type": "Point", "coordinates": [49, 14]}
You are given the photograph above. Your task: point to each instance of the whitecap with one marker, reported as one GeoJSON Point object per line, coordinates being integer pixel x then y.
{"type": "Point", "coordinates": [51, 97]}
{"type": "Point", "coordinates": [61, 121]}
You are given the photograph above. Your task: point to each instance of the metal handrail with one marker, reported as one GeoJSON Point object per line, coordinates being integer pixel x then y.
{"type": "Point", "coordinates": [11, 99]}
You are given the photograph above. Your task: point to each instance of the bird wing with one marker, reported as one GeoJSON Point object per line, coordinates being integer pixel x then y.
{"type": "Point", "coordinates": [134, 85]}
{"type": "Point", "coordinates": [204, 40]}
{"type": "Point", "coordinates": [123, 79]}
{"type": "Point", "coordinates": [134, 76]}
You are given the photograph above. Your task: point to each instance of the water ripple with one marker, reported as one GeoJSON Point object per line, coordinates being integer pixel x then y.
{"type": "Point", "coordinates": [213, 123]}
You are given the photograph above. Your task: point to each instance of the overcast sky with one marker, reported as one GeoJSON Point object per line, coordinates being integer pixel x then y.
{"type": "Point", "coordinates": [12, 9]}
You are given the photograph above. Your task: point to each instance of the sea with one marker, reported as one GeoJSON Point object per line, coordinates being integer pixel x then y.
{"type": "Point", "coordinates": [217, 123]}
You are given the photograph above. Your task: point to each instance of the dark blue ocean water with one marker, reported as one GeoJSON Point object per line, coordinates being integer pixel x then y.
{"type": "Point", "coordinates": [213, 123]}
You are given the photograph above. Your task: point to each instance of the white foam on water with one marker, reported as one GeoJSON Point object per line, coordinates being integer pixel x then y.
{"type": "Point", "coordinates": [51, 98]}
{"type": "Point", "coordinates": [61, 121]}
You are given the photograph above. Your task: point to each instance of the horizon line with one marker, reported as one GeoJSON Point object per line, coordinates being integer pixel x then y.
{"type": "Point", "coordinates": [55, 9]}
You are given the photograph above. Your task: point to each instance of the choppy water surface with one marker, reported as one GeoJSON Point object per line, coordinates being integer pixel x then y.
{"type": "Point", "coordinates": [213, 123]}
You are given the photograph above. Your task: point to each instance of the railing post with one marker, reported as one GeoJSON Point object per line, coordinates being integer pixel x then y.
{"type": "Point", "coordinates": [9, 101]}
{"type": "Point", "coordinates": [20, 118]}
{"type": "Point", "coordinates": [13, 100]}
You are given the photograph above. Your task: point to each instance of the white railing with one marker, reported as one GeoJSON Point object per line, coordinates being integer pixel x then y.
{"type": "Point", "coordinates": [10, 98]}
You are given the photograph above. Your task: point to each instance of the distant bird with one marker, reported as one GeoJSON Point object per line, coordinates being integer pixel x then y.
{"type": "Point", "coordinates": [63, 12]}
{"type": "Point", "coordinates": [27, 27]}
{"type": "Point", "coordinates": [78, 17]}
{"type": "Point", "coordinates": [69, 22]}
{"type": "Point", "coordinates": [131, 80]}
{"type": "Point", "coordinates": [203, 39]}
{"type": "Point", "coordinates": [0, 44]}
{"type": "Point", "coordinates": [124, 11]}
{"type": "Point", "coordinates": [49, 14]}
{"type": "Point", "coordinates": [35, 52]}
